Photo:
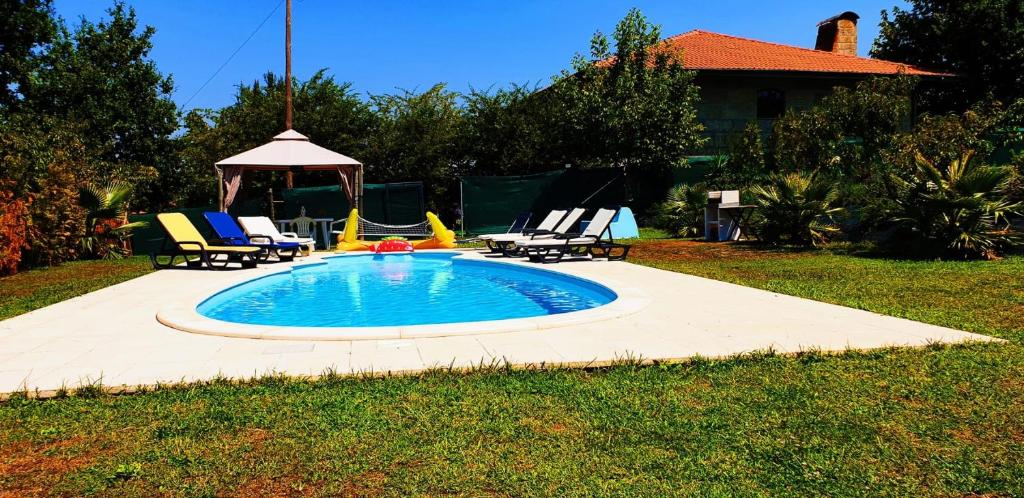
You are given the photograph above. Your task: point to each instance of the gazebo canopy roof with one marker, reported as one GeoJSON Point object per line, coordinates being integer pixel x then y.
{"type": "Point", "coordinates": [288, 150]}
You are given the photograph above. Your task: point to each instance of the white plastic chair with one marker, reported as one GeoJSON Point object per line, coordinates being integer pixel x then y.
{"type": "Point", "coordinates": [304, 227]}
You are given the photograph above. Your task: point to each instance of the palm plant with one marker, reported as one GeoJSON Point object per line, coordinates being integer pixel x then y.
{"type": "Point", "coordinates": [682, 213]}
{"type": "Point", "coordinates": [797, 208]}
{"type": "Point", "coordinates": [106, 219]}
{"type": "Point", "coordinates": [959, 209]}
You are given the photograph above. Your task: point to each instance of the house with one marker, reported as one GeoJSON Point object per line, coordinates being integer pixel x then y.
{"type": "Point", "coordinates": [743, 80]}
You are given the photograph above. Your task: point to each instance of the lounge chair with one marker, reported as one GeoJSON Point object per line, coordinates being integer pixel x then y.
{"type": "Point", "coordinates": [517, 227]}
{"type": "Point", "coordinates": [230, 233]}
{"type": "Point", "coordinates": [262, 226]}
{"type": "Point", "coordinates": [589, 243]}
{"type": "Point", "coordinates": [496, 241]}
{"type": "Point", "coordinates": [511, 247]}
{"type": "Point", "coordinates": [182, 239]}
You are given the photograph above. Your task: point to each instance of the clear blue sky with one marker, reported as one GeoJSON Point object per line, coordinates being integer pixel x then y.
{"type": "Point", "coordinates": [383, 45]}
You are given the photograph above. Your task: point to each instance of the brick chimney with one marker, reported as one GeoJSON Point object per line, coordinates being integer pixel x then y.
{"type": "Point", "coordinates": [838, 34]}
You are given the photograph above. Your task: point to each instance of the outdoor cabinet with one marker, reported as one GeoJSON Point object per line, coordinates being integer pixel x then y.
{"type": "Point", "coordinates": [719, 224]}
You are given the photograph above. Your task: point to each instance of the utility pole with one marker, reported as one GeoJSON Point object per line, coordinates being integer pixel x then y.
{"type": "Point", "coordinates": [289, 181]}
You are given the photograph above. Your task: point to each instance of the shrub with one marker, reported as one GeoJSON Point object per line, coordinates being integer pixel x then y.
{"type": "Point", "coordinates": [682, 213]}
{"type": "Point", "coordinates": [44, 159]}
{"type": "Point", "coordinates": [13, 227]}
{"type": "Point", "coordinates": [956, 209]}
{"type": "Point", "coordinates": [796, 208]}
{"type": "Point", "coordinates": [745, 165]}
{"type": "Point", "coordinates": [846, 131]}
{"type": "Point", "coordinates": [106, 221]}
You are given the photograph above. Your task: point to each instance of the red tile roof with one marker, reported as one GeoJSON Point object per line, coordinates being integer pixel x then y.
{"type": "Point", "coordinates": [707, 51]}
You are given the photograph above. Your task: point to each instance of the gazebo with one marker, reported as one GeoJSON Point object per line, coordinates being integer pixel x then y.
{"type": "Point", "coordinates": [289, 151]}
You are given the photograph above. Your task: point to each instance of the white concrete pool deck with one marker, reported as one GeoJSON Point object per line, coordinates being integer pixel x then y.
{"type": "Point", "coordinates": [112, 336]}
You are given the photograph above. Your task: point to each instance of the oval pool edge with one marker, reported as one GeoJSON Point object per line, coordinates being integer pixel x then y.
{"type": "Point", "coordinates": [184, 317]}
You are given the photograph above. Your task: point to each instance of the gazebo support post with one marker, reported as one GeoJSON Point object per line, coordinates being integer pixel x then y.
{"type": "Point", "coordinates": [220, 188]}
{"type": "Point", "coordinates": [358, 194]}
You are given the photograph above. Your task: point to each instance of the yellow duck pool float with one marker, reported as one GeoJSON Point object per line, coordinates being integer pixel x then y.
{"type": "Point", "coordinates": [443, 237]}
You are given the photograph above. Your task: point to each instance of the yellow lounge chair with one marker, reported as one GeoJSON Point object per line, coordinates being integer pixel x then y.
{"type": "Point", "coordinates": [184, 240]}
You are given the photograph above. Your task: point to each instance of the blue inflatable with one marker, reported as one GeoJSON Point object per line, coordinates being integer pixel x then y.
{"type": "Point", "coordinates": [623, 225]}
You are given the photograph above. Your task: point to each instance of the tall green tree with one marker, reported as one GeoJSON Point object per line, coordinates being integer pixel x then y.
{"type": "Point", "coordinates": [847, 131]}
{"type": "Point", "coordinates": [327, 112]}
{"type": "Point", "coordinates": [506, 132]}
{"type": "Point", "coordinates": [416, 137]}
{"type": "Point", "coordinates": [981, 41]}
{"type": "Point", "coordinates": [100, 75]}
{"type": "Point", "coordinates": [634, 108]}
{"type": "Point", "coordinates": [26, 27]}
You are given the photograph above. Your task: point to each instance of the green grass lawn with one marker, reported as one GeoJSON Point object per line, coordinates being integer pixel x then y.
{"type": "Point", "coordinates": [938, 421]}
{"type": "Point", "coordinates": [29, 290]}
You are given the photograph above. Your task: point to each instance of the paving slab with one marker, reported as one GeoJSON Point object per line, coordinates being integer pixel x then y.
{"type": "Point", "coordinates": [113, 335]}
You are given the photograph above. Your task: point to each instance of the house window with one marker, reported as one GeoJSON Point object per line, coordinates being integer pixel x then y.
{"type": "Point", "coordinates": [770, 103]}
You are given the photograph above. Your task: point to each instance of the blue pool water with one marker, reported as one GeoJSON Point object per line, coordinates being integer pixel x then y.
{"type": "Point", "coordinates": [407, 289]}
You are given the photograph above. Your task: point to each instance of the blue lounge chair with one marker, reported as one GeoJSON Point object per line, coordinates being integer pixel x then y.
{"type": "Point", "coordinates": [228, 231]}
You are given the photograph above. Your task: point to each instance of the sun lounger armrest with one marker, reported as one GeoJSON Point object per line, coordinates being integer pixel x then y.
{"type": "Point", "coordinates": [225, 241]}
{"type": "Point", "coordinates": [290, 235]}
{"type": "Point", "coordinates": [261, 239]}
{"type": "Point", "coordinates": [569, 235]}
{"type": "Point", "coordinates": [531, 231]}
{"type": "Point", "coordinates": [181, 245]}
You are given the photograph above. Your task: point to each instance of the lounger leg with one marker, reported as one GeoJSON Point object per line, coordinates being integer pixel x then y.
{"type": "Point", "coordinates": [250, 260]}
{"type": "Point", "coordinates": [514, 252]}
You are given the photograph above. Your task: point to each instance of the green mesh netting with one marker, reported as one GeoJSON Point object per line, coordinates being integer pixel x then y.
{"type": "Point", "coordinates": [491, 203]}
{"type": "Point", "coordinates": [394, 203]}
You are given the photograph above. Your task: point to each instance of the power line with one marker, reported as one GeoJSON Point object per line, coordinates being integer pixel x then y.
{"type": "Point", "coordinates": [233, 54]}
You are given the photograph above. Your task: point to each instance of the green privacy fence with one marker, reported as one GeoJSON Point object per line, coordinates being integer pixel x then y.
{"type": "Point", "coordinates": [490, 203]}
{"type": "Point", "coordinates": [390, 203]}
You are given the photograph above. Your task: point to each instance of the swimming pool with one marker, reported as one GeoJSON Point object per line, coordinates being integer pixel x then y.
{"type": "Point", "coordinates": [400, 290]}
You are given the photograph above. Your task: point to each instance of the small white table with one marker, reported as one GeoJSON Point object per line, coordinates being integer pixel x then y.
{"type": "Point", "coordinates": [325, 229]}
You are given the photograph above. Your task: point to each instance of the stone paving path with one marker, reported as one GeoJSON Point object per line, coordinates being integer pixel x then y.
{"type": "Point", "coordinates": [112, 335]}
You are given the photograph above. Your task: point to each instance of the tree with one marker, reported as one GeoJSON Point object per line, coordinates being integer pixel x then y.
{"type": "Point", "coordinates": [745, 165]}
{"type": "Point", "coordinates": [44, 161]}
{"type": "Point", "coordinates": [26, 26]}
{"type": "Point", "coordinates": [506, 132]}
{"type": "Point", "coordinates": [847, 131]}
{"type": "Point", "coordinates": [415, 137]}
{"type": "Point", "coordinates": [327, 112]}
{"type": "Point", "coordinates": [635, 108]}
{"type": "Point", "coordinates": [100, 76]}
{"type": "Point", "coordinates": [981, 41]}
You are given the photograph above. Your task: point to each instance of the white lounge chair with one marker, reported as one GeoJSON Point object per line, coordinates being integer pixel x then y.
{"type": "Point", "coordinates": [511, 246]}
{"type": "Point", "coordinates": [546, 225]}
{"type": "Point", "coordinates": [261, 226]}
{"type": "Point", "coordinates": [589, 243]}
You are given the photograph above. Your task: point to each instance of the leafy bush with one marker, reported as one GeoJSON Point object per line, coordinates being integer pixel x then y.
{"type": "Point", "coordinates": [746, 161]}
{"type": "Point", "coordinates": [957, 209]}
{"type": "Point", "coordinates": [106, 228]}
{"type": "Point", "coordinates": [845, 132]}
{"type": "Point", "coordinates": [797, 208]}
{"type": "Point", "coordinates": [682, 213]}
{"type": "Point", "coordinates": [45, 160]}
{"type": "Point", "coordinates": [13, 224]}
